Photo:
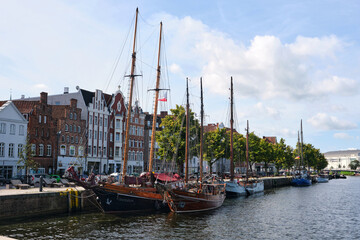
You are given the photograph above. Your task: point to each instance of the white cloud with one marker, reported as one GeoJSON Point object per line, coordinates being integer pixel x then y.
{"type": "Point", "coordinates": [175, 68]}
{"type": "Point", "coordinates": [343, 136]}
{"type": "Point", "coordinates": [325, 122]}
{"type": "Point", "coordinates": [272, 112]}
{"type": "Point", "coordinates": [266, 69]}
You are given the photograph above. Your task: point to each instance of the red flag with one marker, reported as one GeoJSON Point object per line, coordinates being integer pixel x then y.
{"type": "Point", "coordinates": [164, 99]}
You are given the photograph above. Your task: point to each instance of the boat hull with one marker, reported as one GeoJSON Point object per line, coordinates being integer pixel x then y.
{"type": "Point", "coordinates": [301, 182]}
{"type": "Point", "coordinates": [233, 189]}
{"type": "Point", "coordinates": [121, 199]}
{"type": "Point", "coordinates": [255, 187]}
{"type": "Point", "coordinates": [181, 201]}
{"type": "Point", "coordinates": [322, 180]}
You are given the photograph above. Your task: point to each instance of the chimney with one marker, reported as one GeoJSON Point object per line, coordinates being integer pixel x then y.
{"type": "Point", "coordinates": [73, 103]}
{"type": "Point", "coordinates": [22, 96]}
{"type": "Point", "coordinates": [66, 90]}
{"type": "Point", "coordinates": [43, 97]}
{"type": "Point", "coordinates": [163, 114]}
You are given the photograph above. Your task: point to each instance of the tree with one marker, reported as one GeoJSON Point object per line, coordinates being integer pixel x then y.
{"type": "Point", "coordinates": [354, 164]}
{"type": "Point", "coordinates": [172, 138]}
{"type": "Point", "coordinates": [216, 146]}
{"type": "Point", "coordinates": [26, 159]}
{"type": "Point", "coordinates": [239, 147]}
{"type": "Point", "coordinates": [279, 155]}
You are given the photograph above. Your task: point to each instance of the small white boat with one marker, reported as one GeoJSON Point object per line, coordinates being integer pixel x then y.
{"type": "Point", "coordinates": [322, 179]}
{"type": "Point", "coordinates": [254, 186]}
{"type": "Point", "coordinates": [234, 189]}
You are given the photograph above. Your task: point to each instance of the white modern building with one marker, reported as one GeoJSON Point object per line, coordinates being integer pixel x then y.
{"type": "Point", "coordinates": [13, 132]}
{"type": "Point", "coordinates": [340, 160]}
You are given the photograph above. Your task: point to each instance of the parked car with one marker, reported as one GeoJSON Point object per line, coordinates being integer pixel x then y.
{"type": "Point", "coordinates": [3, 180]}
{"type": "Point", "coordinates": [56, 177]}
{"type": "Point", "coordinates": [35, 178]}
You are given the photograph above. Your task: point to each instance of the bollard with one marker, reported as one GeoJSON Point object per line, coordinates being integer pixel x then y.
{"type": "Point", "coordinates": [41, 183]}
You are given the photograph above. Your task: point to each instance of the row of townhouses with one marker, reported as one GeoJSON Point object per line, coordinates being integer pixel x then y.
{"type": "Point", "coordinates": [83, 129]}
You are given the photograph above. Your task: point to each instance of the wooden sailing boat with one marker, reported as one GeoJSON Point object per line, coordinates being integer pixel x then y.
{"type": "Point", "coordinates": [200, 197]}
{"type": "Point", "coordinates": [123, 197]}
{"type": "Point", "coordinates": [233, 188]}
{"type": "Point", "coordinates": [301, 179]}
{"type": "Point", "coordinates": [252, 185]}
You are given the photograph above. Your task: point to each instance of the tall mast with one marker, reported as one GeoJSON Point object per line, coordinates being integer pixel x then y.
{"type": "Point", "coordinates": [201, 131]}
{"type": "Point", "coordinates": [132, 79]}
{"type": "Point", "coordinates": [153, 130]}
{"type": "Point", "coordinates": [231, 132]}
{"type": "Point", "coordinates": [299, 162]}
{"type": "Point", "coordinates": [247, 150]}
{"type": "Point", "coordinates": [187, 131]}
{"type": "Point", "coordinates": [301, 145]}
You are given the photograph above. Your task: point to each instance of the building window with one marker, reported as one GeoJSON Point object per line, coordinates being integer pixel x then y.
{"type": "Point", "coordinates": [2, 149]}
{"type": "Point", "coordinates": [48, 150]}
{"type": "Point", "coordinates": [104, 151]}
{"type": "Point", "coordinates": [20, 149]}
{"type": "Point", "coordinates": [95, 120]}
{"type": "Point", "coordinates": [41, 150]}
{"type": "Point", "coordinates": [33, 149]}
{"type": "Point", "coordinates": [100, 135]}
{"type": "Point", "coordinates": [117, 151]}
{"type": "Point", "coordinates": [94, 150]}
{"type": "Point", "coordinates": [110, 152]}
{"type": "Point", "coordinates": [105, 122]}
{"type": "Point", "coordinates": [76, 140]}
{"type": "Point", "coordinates": [105, 136]}
{"type": "Point", "coordinates": [39, 118]}
{"type": "Point", "coordinates": [21, 130]}
{"type": "Point", "coordinates": [81, 151]}
{"type": "Point", "coordinates": [89, 150]}
{"type": "Point", "coordinates": [67, 139]}
{"type": "Point", "coordinates": [62, 150]}
{"type": "Point", "coordinates": [111, 137]}
{"type": "Point", "coordinates": [90, 120]}
{"type": "Point", "coordinates": [72, 151]}
{"type": "Point", "coordinates": [136, 120]}
{"type": "Point", "coordinates": [79, 129]}
{"type": "Point", "coordinates": [66, 128]}
{"type": "Point", "coordinates": [71, 116]}
{"type": "Point", "coordinates": [75, 116]}
{"type": "Point", "coordinates": [44, 119]}
{"type": "Point", "coordinates": [11, 150]}
{"type": "Point", "coordinates": [117, 123]}
{"type": "Point", "coordinates": [95, 134]}
{"type": "Point", "coordinates": [12, 129]}
{"type": "Point", "coordinates": [42, 132]}
{"type": "Point", "coordinates": [74, 129]}
{"type": "Point", "coordinates": [72, 139]}
{"type": "Point", "coordinates": [117, 136]}
{"type": "Point", "coordinates": [3, 128]}
{"type": "Point", "coordinates": [141, 156]}
{"type": "Point", "coordinates": [100, 151]}
{"type": "Point", "coordinates": [62, 138]}
{"type": "Point", "coordinates": [70, 128]}
{"type": "Point", "coordinates": [100, 121]}
{"type": "Point", "coordinates": [90, 133]}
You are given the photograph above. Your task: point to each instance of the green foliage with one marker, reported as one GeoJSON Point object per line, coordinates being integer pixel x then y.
{"type": "Point", "coordinates": [216, 146]}
{"type": "Point", "coordinates": [172, 138]}
{"type": "Point", "coordinates": [26, 159]}
{"type": "Point", "coordinates": [354, 164]}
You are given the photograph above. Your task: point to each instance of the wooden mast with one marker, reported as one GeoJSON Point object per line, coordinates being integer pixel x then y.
{"type": "Point", "coordinates": [132, 79]}
{"type": "Point", "coordinates": [201, 131]}
{"type": "Point", "coordinates": [247, 150]}
{"type": "Point", "coordinates": [301, 145]}
{"type": "Point", "coordinates": [153, 130]}
{"type": "Point", "coordinates": [231, 132]}
{"type": "Point", "coordinates": [187, 132]}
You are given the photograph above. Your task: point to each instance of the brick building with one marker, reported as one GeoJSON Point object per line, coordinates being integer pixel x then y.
{"type": "Point", "coordinates": [70, 136]}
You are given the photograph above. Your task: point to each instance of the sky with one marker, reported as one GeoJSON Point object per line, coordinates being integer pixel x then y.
{"type": "Point", "coordinates": [289, 60]}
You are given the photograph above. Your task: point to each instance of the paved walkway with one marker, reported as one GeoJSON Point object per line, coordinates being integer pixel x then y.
{"type": "Point", "coordinates": [34, 190]}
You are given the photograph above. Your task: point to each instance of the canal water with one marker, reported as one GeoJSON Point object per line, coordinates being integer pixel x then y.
{"type": "Point", "coordinates": [322, 211]}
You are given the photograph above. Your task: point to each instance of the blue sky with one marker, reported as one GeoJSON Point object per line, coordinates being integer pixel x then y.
{"type": "Point", "coordinates": [290, 60]}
